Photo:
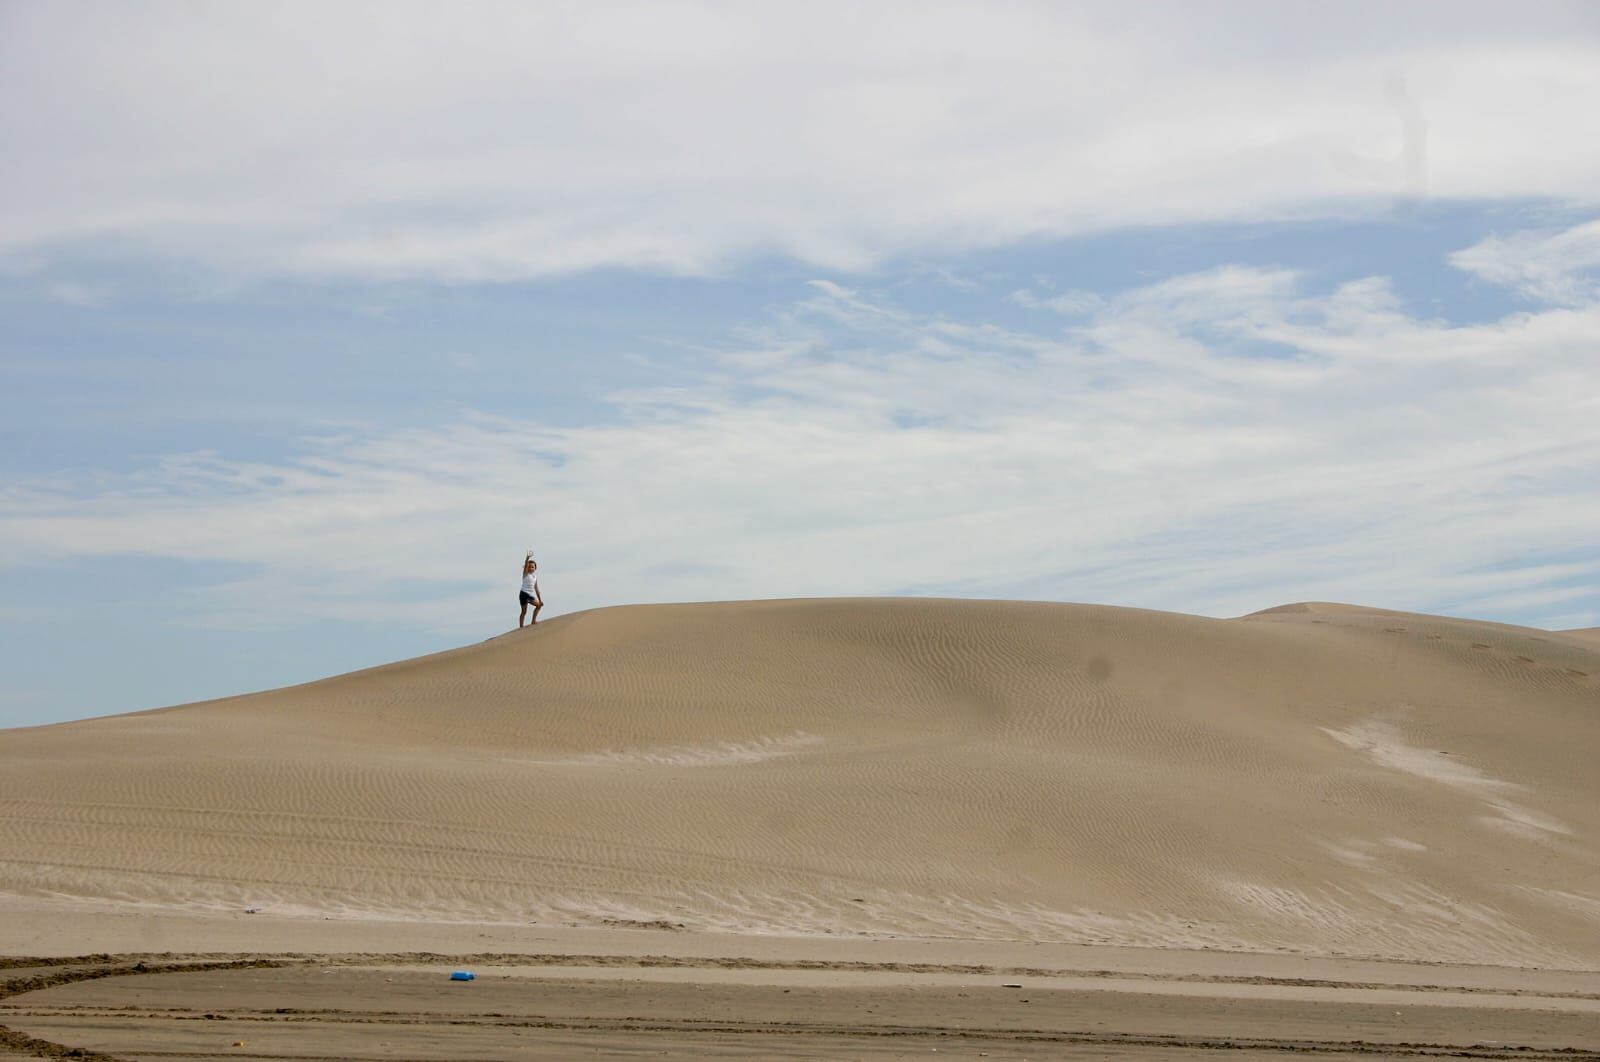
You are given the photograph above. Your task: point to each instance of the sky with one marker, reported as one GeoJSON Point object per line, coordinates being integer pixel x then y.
{"type": "Point", "coordinates": [314, 318]}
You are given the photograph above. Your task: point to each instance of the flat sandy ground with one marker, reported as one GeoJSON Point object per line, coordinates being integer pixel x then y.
{"type": "Point", "coordinates": [629, 993]}
{"type": "Point", "coordinates": [853, 823]}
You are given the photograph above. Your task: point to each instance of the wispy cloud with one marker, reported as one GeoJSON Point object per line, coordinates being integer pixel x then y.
{"type": "Point", "coordinates": [1217, 441]}
{"type": "Point", "coordinates": [494, 141]}
{"type": "Point", "coordinates": [1560, 266]}
{"type": "Point", "coordinates": [1071, 303]}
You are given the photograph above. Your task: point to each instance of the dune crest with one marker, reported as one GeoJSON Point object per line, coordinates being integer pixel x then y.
{"type": "Point", "coordinates": [1588, 634]}
{"type": "Point", "coordinates": [1313, 778]}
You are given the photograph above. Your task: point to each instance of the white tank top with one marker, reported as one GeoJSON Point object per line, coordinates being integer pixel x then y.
{"type": "Point", "coordinates": [530, 584]}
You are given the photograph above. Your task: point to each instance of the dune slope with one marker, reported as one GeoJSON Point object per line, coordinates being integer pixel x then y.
{"type": "Point", "coordinates": [1589, 634]}
{"type": "Point", "coordinates": [1315, 778]}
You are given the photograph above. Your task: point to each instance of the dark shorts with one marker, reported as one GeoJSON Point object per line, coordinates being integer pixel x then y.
{"type": "Point", "coordinates": [525, 597]}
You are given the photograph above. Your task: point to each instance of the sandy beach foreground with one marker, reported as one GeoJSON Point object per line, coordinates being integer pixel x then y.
{"type": "Point", "coordinates": [834, 829]}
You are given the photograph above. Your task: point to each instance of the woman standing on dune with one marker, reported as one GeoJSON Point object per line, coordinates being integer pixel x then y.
{"type": "Point", "coordinates": [530, 590]}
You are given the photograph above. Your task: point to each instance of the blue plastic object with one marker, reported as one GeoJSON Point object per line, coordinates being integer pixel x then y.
{"type": "Point", "coordinates": [463, 975]}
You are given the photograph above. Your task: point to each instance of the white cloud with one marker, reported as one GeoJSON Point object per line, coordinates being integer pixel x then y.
{"type": "Point", "coordinates": [1215, 442]}
{"type": "Point", "coordinates": [1070, 303]}
{"type": "Point", "coordinates": [487, 141]}
{"type": "Point", "coordinates": [1558, 267]}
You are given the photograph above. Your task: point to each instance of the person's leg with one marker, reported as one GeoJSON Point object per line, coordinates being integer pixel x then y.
{"type": "Point", "coordinates": [522, 617]}
{"type": "Point", "coordinates": [537, 605]}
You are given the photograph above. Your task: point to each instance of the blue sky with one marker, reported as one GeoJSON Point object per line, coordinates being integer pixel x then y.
{"type": "Point", "coordinates": [314, 322]}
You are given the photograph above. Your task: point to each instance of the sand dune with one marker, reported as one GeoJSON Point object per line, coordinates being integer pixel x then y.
{"type": "Point", "coordinates": [1315, 778]}
{"type": "Point", "coordinates": [1588, 634]}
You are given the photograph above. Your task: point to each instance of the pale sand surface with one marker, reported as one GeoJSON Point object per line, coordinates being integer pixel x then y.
{"type": "Point", "coordinates": [386, 1007]}
{"type": "Point", "coordinates": [42, 928]}
{"type": "Point", "coordinates": [1199, 816]}
{"type": "Point", "coordinates": [1590, 634]}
